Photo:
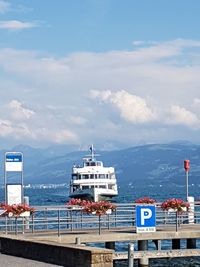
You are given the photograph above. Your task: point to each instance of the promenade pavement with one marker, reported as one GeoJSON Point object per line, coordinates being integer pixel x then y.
{"type": "Point", "coordinates": [12, 261]}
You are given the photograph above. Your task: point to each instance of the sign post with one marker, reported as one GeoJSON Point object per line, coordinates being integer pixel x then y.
{"type": "Point", "coordinates": [14, 191]}
{"type": "Point", "coordinates": [186, 167]}
{"type": "Point", "coordinates": [145, 218]}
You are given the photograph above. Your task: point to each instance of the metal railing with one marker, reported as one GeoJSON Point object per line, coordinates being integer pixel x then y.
{"type": "Point", "coordinates": [60, 219]}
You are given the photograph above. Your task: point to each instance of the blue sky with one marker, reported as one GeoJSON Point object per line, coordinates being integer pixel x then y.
{"type": "Point", "coordinates": [65, 26]}
{"type": "Point", "coordinates": [113, 73]}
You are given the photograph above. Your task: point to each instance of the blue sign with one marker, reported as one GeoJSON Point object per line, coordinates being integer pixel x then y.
{"type": "Point", "coordinates": [145, 218]}
{"type": "Point", "coordinates": [13, 158]}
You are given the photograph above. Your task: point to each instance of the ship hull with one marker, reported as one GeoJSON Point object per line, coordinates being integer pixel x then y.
{"type": "Point", "coordinates": [94, 194]}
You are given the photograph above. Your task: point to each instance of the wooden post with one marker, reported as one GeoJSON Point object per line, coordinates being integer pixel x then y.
{"type": "Point", "coordinates": [176, 243]}
{"type": "Point", "coordinates": [99, 224]}
{"type": "Point", "coordinates": [110, 245]}
{"type": "Point", "coordinates": [143, 245]}
{"type": "Point", "coordinates": [191, 243]}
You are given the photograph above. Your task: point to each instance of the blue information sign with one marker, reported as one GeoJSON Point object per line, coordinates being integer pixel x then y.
{"type": "Point", "coordinates": [13, 158]}
{"type": "Point", "coordinates": [145, 218]}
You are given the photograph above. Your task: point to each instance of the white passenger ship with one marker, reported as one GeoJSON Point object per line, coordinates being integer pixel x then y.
{"type": "Point", "coordinates": [93, 181]}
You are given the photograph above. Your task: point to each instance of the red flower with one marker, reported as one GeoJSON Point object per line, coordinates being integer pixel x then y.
{"type": "Point", "coordinates": [99, 208]}
{"type": "Point", "coordinates": [175, 204]}
{"type": "Point", "coordinates": [145, 200]}
{"type": "Point", "coordinates": [16, 209]}
{"type": "Point", "coordinates": [77, 202]}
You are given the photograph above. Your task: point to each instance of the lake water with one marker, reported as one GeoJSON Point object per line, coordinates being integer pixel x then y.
{"type": "Point", "coordinates": [127, 193]}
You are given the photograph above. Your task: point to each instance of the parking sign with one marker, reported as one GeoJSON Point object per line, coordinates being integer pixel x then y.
{"type": "Point", "coordinates": [145, 218]}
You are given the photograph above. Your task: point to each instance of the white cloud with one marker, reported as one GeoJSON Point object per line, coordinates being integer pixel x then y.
{"type": "Point", "coordinates": [64, 136]}
{"type": "Point", "coordinates": [181, 116]}
{"type": "Point", "coordinates": [132, 108]}
{"type": "Point", "coordinates": [16, 25]}
{"type": "Point", "coordinates": [14, 131]}
{"type": "Point", "coordinates": [4, 6]}
{"type": "Point", "coordinates": [78, 120]}
{"type": "Point", "coordinates": [5, 128]}
{"type": "Point", "coordinates": [142, 43]}
{"type": "Point", "coordinates": [155, 77]}
{"type": "Point", "coordinates": [21, 131]}
{"type": "Point", "coordinates": [19, 112]}
{"type": "Point", "coordinates": [196, 102]}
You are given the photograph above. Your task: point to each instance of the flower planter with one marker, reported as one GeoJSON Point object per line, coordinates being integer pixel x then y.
{"type": "Point", "coordinates": [75, 207]}
{"type": "Point", "coordinates": [25, 214]}
{"type": "Point", "coordinates": [184, 209]}
{"type": "Point", "coordinates": [109, 211]}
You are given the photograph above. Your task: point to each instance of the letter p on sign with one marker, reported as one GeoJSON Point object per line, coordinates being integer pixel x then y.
{"type": "Point", "coordinates": [145, 215]}
{"type": "Point", "coordinates": [145, 218]}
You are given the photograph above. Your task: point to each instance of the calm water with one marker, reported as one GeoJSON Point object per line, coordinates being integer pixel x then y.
{"type": "Point", "coordinates": [127, 193]}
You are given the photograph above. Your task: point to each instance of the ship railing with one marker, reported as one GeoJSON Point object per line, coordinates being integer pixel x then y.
{"type": "Point", "coordinates": [64, 219]}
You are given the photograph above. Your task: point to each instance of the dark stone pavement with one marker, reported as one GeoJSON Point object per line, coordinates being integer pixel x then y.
{"type": "Point", "coordinates": [12, 261]}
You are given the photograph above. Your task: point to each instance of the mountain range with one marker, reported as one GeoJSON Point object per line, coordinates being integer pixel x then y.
{"type": "Point", "coordinates": [149, 164]}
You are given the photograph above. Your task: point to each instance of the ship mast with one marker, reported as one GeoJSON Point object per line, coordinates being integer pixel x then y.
{"type": "Point", "coordinates": [92, 152]}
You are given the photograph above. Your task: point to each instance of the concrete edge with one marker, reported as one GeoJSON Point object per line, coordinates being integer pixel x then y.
{"type": "Point", "coordinates": [60, 254]}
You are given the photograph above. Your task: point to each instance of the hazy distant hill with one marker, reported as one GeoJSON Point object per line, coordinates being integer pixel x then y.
{"type": "Point", "coordinates": [142, 164]}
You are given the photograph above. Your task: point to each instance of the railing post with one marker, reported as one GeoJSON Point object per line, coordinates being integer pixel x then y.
{"type": "Point", "coordinates": [81, 219]}
{"type": "Point", "coordinates": [130, 255]}
{"type": "Point", "coordinates": [16, 225]}
{"type": "Point", "coordinates": [58, 222]}
{"type": "Point", "coordinates": [46, 218]}
{"type": "Point", "coordinates": [32, 223]}
{"type": "Point", "coordinates": [71, 219]}
{"type": "Point", "coordinates": [176, 221]}
{"type": "Point", "coordinates": [133, 218]}
{"type": "Point", "coordinates": [99, 224]}
{"type": "Point", "coordinates": [6, 224]}
{"type": "Point", "coordinates": [115, 217]}
{"type": "Point", "coordinates": [108, 221]}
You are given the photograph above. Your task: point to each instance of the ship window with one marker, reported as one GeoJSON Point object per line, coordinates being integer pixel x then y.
{"type": "Point", "coordinates": [112, 176]}
{"type": "Point", "coordinates": [110, 186]}
{"type": "Point", "coordinates": [74, 176]}
{"type": "Point", "coordinates": [91, 176]}
{"type": "Point", "coordinates": [101, 176]}
{"type": "Point", "coordinates": [85, 176]}
{"type": "Point", "coordinates": [75, 187]}
{"type": "Point", "coordinates": [85, 187]}
{"type": "Point", "coordinates": [96, 176]}
{"type": "Point", "coordinates": [102, 186]}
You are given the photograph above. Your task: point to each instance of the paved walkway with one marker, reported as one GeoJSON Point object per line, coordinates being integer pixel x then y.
{"type": "Point", "coordinates": [11, 261]}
